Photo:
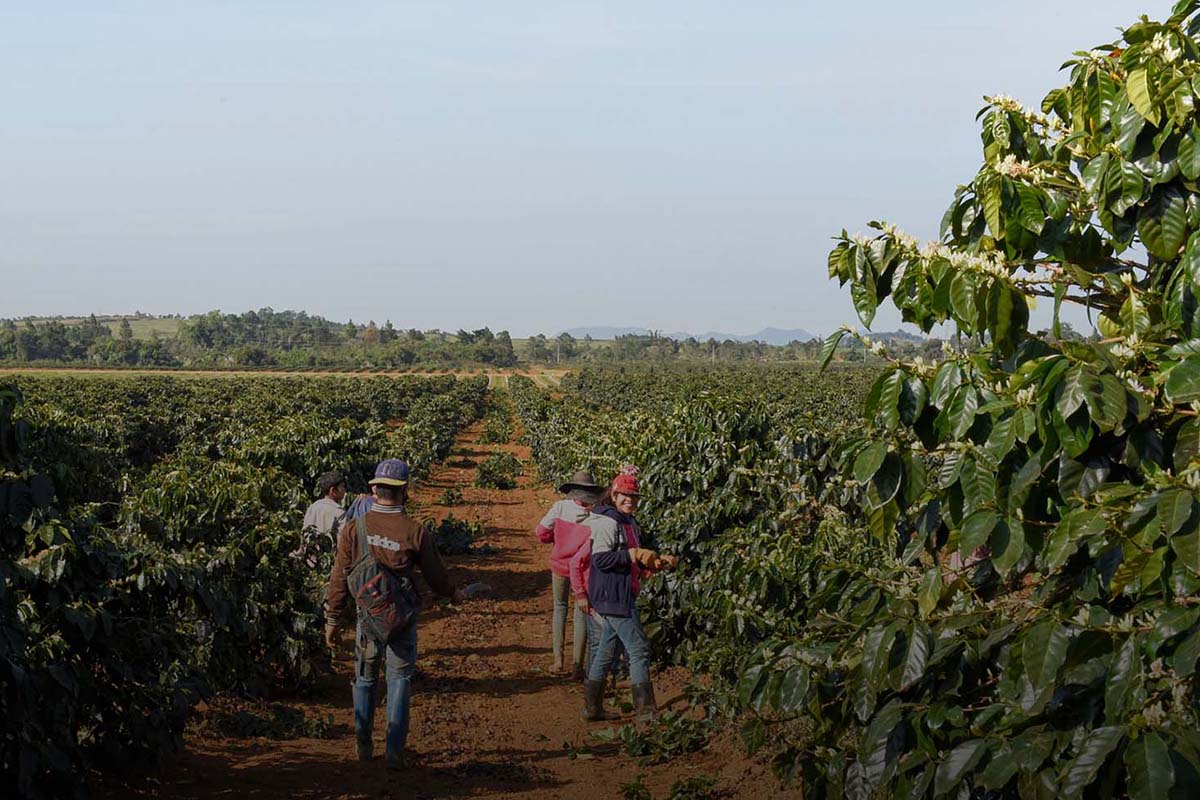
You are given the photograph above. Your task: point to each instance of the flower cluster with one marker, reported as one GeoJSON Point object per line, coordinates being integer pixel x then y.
{"type": "Point", "coordinates": [1031, 115]}
{"type": "Point", "coordinates": [1162, 46]}
{"type": "Point", "coordinates": [1012, 167]}
{"type": "Point", "coordinates": [905, 240]}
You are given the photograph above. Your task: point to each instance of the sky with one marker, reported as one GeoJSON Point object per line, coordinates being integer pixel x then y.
{"type": "Point", "coordinates": [529, 166]}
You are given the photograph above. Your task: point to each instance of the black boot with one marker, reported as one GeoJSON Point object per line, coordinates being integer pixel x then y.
{"type": "Point", "coordinates": [593, 701]}
{"type": "Point", "coordinates": [644, 706]}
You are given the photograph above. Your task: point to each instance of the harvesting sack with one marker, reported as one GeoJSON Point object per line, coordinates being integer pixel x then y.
{"type": "Point", "coordinates": [386, 602]}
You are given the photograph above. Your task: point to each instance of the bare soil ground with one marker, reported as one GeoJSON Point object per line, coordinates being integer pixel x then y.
{"type": "Point", "coordinates": [489, 719]}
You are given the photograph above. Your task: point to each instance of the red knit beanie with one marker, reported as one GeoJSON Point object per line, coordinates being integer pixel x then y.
{"type": "Point", "coordinates": [626, 481]}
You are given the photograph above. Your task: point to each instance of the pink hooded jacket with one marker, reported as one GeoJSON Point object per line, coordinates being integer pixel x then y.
{"type": "Point", "coordinates": [563, 526]}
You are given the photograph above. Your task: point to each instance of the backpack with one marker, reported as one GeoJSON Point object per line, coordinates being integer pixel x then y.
{"type": "Point", "coordinates": [387, 602]}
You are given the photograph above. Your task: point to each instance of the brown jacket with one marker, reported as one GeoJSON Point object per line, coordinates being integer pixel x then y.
{"type": "Point", "coordinates": [397, 542]}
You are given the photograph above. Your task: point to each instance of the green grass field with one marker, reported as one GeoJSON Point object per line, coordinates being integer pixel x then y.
{"type": "Point", "coordinates": [143, 327]}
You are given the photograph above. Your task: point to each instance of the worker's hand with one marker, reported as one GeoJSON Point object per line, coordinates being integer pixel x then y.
{"type": "Point", "coordinates": [583, 605]}
{"type": "Point", "coordinates": [666, 562]}
{"type": "Point", "coordinates": [458, 596]}
{"type": "Point", "coordinates": [643, 557]}
{"type": "Point", "coordinates": [331, 636]}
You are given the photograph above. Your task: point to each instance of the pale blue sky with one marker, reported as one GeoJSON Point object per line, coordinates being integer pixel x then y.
{"type": "Point", "coordinates": [523, 165]}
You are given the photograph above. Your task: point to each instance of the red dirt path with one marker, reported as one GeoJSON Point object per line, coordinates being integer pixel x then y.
{"type": "Point", "coordinates": [489, 720]}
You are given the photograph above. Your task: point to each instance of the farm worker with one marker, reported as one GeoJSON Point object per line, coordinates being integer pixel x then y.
{"type": "Point", "coordinates": [617, 563]}
{"type": "Point", "coordinates": [397, 543]}
{"type": "Point", "coordinates": [325, 515]}
{"type": "Point", "coordinates": [562, 527]}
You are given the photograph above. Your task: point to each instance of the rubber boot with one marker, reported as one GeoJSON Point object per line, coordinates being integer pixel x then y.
{"type": "Point", "coordinates": [644, 706]}
{"type": "Point", "coordinates": [593, 702]}
{"type": "Point", "coordinates": [364, 715]}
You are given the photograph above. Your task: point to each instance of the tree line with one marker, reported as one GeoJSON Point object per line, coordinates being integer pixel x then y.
{"type": "Point", "coordinates": [297, 340]}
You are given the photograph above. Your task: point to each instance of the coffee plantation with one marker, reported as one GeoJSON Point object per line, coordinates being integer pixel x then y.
{"type": "Point", "coordinates": [152, 553]}
{"type": "Point", "coordinates": [988, 585]}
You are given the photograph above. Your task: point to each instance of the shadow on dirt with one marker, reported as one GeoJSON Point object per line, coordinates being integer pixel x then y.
{"type": "Point", "coordinates": [300, 774]}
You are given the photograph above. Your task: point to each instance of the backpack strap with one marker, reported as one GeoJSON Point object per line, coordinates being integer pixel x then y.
{"type": "Point", "coordinates": [360, 529]}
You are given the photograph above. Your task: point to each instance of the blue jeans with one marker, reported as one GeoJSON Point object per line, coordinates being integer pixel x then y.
{"type": "Point", "coordinates": [627, 631]}
{"type": "Point", "coordinates": [400, 659]}
{"type": "Point", "coordinates": [560, 588]}
{"type": "Point", "coordinates": [620, 660]}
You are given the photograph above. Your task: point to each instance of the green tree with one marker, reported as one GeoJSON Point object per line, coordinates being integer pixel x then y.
{"type": "Point", "coordinates": [126, 334]}
{"type": "Point", "coordinates": [1040, 634]}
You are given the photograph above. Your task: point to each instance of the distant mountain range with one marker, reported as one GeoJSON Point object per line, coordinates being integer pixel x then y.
{"type": "Point", "coordinates": [777, 336]}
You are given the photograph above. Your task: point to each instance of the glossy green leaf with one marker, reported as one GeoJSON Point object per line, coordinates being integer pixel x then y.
{"type": "Point", "coordinates": [1174, 509]}
{"type": "Point", "coordinates": [873, 749]}
{"type": "Point", "coordinates": [1090, 757]}
{"type": "Point", "coordinates": [1151, 774]}
{"type": "Point", "coordinates": [830, 346]}
{"type": "Point", "coordinates": [1187, 549]}
{"type": "Point", "coordinates": [1162, 225]}
{"type": "Point", "coordinates": [1189, 153]}
{"type": "Point", "coordinates": [1071, 392]}
{"type": "Point", "coordinates": [869, 460]}
{"type": "Point", "coordinates": [1137, 87]}
{"type": "Point", "coordinates": [916, 655]}
{"type": "Point", "coordinates": [976, 531]}
{"type": "Point", "coordinates": [1187, 444]}
{"type": "Point", "coordinates": [1119, 680]}
{"type": "Point", "coordinates": [1044, 650]}
{"type": "Point", "coordinates": [1076, 526]}
{"type": "Point", "coordinates": [1008, 544]}
{"type": "Point", "coordinates": [962, 299]}
{"type": "Point", "coordinates": [930, 592]}
{"type": "Point", "coordinates": [1183, 382]}
{"type": "Point", "coordinates": [957, 765]}
{"type": "Point", "coordinates": [793, 689]}
{"type": "Point", "coordinates": [961, 411]}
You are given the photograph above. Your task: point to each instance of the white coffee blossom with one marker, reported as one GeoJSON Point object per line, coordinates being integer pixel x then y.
{"type": "Point", "coordinates": [1157, 668]}
{"type": "Point", "coordinates": [1123, 351]}
{"type": "Point", "coordinates": [1192, 479]}
{"type": "Point", "coordinates": [902, 238]}
{"type": "Point", "coordinates": [1026, 396]}
{"type": "Point", "coordinates": [1179, 694]}
{"type": "Point", "coordinates": [1154, 715]}
{"type": "Point", "coordinates": [1005, 103]}
{"type": "Point", "coordinates": [877, 348]}
{"type": "Point", "coordinates": [1161, 46]}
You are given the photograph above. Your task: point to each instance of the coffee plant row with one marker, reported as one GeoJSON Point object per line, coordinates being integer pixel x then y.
{"type": "Point", "coordinates": [151, 549]}
{"type": "Point", "coordinates": [998, 593]}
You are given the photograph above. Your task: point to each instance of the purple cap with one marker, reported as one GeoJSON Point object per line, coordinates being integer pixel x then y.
{"type": "Point", "coordinates": [391, 472]}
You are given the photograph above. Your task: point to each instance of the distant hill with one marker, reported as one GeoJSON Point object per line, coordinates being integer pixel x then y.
{"type": "Point", "coordinates": [776, 336]}
{"type": "Point", "coordinates": [604, 331]}
{"type": "Point", "coordinates": [905, 336]}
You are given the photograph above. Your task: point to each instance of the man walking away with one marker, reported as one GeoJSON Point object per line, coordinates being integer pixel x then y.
{"type": "Point", "coordinates": [326, 515]}
{"type": "Point", "coordinates": [397, 544]}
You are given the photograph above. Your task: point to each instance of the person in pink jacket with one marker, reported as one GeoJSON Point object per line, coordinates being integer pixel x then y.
{"type": "Point", "coordinates": [617, 503]}
{"type": "Point", "coordinates": [563, 529]}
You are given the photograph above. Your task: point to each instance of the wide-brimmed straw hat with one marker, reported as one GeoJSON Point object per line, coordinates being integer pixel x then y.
{"type": "Point", "coordinates": [582, 484]}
